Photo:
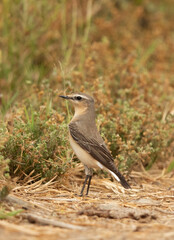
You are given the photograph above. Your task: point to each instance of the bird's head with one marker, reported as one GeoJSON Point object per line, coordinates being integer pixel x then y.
{"type": "Point", "coordinates": [81, 102]}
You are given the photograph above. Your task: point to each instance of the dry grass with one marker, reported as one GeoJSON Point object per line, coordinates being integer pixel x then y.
{"type": "Point", "coordinates": [57, 204]}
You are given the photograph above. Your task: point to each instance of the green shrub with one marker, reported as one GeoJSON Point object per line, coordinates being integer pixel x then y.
{"type": "Point", "coordinates": [38, 144]}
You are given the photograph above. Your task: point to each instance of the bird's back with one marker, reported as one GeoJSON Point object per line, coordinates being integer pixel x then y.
{"type": "Point", "coordinates": [86, 126]}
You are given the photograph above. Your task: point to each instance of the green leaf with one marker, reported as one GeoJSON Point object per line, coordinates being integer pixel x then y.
{"type": "Point", "coordinates": [5, 215]}
{"type": "Point", "coordinates": [170, 167]}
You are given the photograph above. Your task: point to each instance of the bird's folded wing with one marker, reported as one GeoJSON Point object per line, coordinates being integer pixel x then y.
{"type": "Point", "coordinates": [97, 150]}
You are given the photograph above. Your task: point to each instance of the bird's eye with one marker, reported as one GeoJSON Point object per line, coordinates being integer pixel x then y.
{"type": "Point", "coordinates": [78, 98]}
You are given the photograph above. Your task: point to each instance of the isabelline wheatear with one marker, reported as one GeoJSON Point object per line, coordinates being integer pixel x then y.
{"type": "Point", "coordinates": [87, 142]}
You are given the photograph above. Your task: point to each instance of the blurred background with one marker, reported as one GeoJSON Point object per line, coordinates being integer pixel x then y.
{"type": "Point", "coordinates": [119, 51]}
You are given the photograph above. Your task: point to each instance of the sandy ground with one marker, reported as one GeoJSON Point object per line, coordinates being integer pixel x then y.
{"type": "Point", "coordinates": [109, 212]}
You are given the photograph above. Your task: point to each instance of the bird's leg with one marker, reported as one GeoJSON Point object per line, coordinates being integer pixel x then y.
{"type": "Point", "coordinates": [86, 179]}
{"type": "Point", "coordinates": [89, 182]}
{"type": "Point", "coordinates": [89, 173]}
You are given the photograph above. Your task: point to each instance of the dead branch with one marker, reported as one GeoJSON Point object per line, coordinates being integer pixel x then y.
{"type": "Point", "coordinates": [32, 218]}
{"type": "Point", "coordinates": [15, 200]}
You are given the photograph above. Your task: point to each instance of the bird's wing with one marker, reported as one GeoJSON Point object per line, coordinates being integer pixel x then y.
{"type": "Point", "coordinates": [97, 150]}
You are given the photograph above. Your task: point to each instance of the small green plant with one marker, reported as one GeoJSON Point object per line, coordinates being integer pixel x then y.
{"type": "Point", "coordinates": [170, 167]}
{"type": "Point", "coordinates": [4, 167]}
{"type": "Point", "coordinates": [4, 192]}
{"type": "Point", "coordinates": [37, 142]}
{"type": "Point", "coordinates": [4, 214]}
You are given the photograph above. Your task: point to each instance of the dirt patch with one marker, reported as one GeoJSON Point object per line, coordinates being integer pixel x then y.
{"type": "Point", "coordinates": [109, 212]}
{"type": "Point", "coordinates": [116, 211]}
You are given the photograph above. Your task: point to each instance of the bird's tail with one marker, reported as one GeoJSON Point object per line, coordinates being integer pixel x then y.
{"type": "Point", "coordinates": [120, 178]}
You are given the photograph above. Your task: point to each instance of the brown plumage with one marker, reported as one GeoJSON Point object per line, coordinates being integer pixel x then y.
{"type": "Point", "coordinates": [87, 142]}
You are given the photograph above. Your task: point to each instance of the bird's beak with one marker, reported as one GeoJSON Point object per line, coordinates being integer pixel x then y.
{"type": "Point", "coordinates": [66, 97]}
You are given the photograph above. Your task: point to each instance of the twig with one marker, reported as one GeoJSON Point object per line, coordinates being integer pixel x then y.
{"type": "Point", "coordinates": [25, 204]}
{"type": "Point", "coordinates": [12, 199]}
{"type": "Point", "coordinates": [32, 218]}
{"type": "Point", "coordinates": [164, 211]}
{"type": "Point", "coordinates": [58, 199]}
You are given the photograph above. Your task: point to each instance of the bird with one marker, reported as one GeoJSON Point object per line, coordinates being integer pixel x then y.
{"type": "Point", "coordinates": [87, 142]}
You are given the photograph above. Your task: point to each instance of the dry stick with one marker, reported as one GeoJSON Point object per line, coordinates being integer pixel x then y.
{"type": "Point", "coordinates": [36, 219]}
{"type": "Point", "coordinates": [59, 199]}
{"type": "Point", "coordinates": [12, 199]}
{"type": "Point", "coordinates": [25, 205]}
{"type": "Point", "coordinates": [164, 211]}
{"type": "Point", "coordinates": [32, 218]}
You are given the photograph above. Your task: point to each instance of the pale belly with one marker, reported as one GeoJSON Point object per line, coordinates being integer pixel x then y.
{"type": "Point", "coordinates": [83, 156]}
{"type": "Point", "coordinates": [87, 159]}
